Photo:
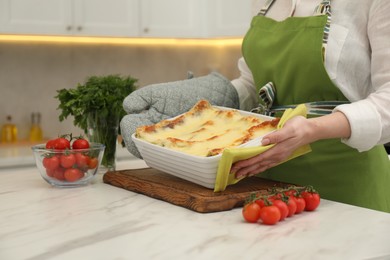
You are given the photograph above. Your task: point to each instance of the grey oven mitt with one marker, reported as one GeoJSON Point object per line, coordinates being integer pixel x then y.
{"type": "Point", "coordinates": [153, 103]}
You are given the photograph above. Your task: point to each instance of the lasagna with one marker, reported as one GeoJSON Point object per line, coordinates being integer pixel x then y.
{"type": "Point", "coordinates": [206, 130]}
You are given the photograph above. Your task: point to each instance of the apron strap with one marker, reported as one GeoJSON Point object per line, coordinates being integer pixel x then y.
{"type": "Point", "coordinates": [324, 9]}
{"type": "Point", "coordinates": [263, 11]}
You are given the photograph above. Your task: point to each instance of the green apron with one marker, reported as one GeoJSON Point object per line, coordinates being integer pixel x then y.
{"type": "Point", "coordinates": [290, 54]}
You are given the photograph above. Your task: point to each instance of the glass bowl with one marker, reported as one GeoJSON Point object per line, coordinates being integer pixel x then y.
{"type": "Point", "coordinates": [70, 167]}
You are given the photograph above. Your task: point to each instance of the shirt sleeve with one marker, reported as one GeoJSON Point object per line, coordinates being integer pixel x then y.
{"type": "Point", "coordinates": [369, 118]}
{"type": "Point", "coordinates": [245, 87]}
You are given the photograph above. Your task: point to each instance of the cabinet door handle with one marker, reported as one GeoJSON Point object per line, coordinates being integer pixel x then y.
{"type": "Point", "coordinates": [146, 30]}
{"type": "Point", "coordinates": [79, 28]}
{"type": "Point", "coordinates": [69, 27]}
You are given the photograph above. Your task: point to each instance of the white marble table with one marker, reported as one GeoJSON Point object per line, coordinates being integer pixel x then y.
{"type": "Point", "coordinates": [99, 221]}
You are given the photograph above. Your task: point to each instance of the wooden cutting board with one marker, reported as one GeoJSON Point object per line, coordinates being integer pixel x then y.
{"type": "Point", "coordinates": [166, 187]}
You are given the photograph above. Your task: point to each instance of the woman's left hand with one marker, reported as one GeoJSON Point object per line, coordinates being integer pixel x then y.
{"type": "Point", "coordinates": [294, 134]}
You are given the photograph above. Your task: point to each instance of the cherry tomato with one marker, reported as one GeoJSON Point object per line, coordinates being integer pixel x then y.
{"type": "Point", "coordinates": [260, 202]}
{"type": "Point", "coordinates": [51, 163]}
{"type": "Point", "coordinates": [290, 192]}
{"type": "Point", "coordinates": [292, 206]}
{"type": "Point", "coordinates": [50, 144]}
{"type": "Point", "coordinates": [61, 143]}
{"type": "Point", "coordinates": [312, 200]}
{"type": "Point", "coordinates": [50, 173]}
{"type": "Point", "coordinates": [251, 212]}
{"type": "Point", "coordinates": [301, 204]}
{"type": "Point", "coordinates": [73, 174]}
{"type": "Point", "coordinates": [282, 206]}
{"type": "Point", "coordinates": [93, 163]}
{"type": "Point", "coordinates": [270, 215]}
{"type": "Point", "coordinates": [59, 174]}
{"type": "Point", "coordinates": [277, 196]}
{"type": "Point", "coordinates": [82, 160]}
{"type": "Point", "coordinates": [67, 160]}
{"type": "Point", "coordinates": [80, 143]}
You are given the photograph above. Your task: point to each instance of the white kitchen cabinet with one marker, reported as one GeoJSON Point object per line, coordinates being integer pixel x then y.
{"type": "Point", "coordinates": [170, 18]}
{"type": "Point", "coordinates": [70, 17]}
{"type": "Point", "coordinates": [35, 16]}
{"type": "Point", "coordinates": [126, 18]}
{"type": "Point", "coordinates": [227, 17]}
{"type": "Point", "coordinates": [195, 18]}
{"type": "Point", "coordinates": [106, 18]}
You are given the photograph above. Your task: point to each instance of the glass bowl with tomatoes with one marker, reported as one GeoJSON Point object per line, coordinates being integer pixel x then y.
{"type": "Point", "coordinates": [68, 162]}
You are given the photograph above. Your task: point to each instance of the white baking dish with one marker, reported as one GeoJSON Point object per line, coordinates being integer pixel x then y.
{"type": "Point", "coordinates": [197, 169]}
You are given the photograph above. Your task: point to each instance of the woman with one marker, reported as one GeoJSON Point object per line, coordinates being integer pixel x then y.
{"type": "Point", "coordinates": [355, 67]}
{"type": "Point", "coordinates": [322, 53]}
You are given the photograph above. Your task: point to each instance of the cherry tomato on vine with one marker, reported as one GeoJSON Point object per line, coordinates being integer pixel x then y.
{"type": "Point", "coordinates": [312, 200]}
{"type": "Point", "coordinates": [80, 143]}
{"type": "Point", "coordinates": [290, 192]}
{"type": "Point", "coordinates": [292, 206]}
{"type": "Point", "coordinates": [251, 212]}
{"type": "Point", "coordinates": [276, 196]}
{"type": "Point", "coordinates": [282, 206]}
{"type": "Point", "coordinates": [260, 202]}
{"type": "Point", "coordinates": [301, 204]}
{"type": "Point", "coordinates": [270, 215]}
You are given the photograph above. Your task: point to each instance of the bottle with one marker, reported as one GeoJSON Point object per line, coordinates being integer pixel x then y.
{"type": "Point", "coordinates": [9, 132]}
{"type": "Point", "coordinates": [35, 130]}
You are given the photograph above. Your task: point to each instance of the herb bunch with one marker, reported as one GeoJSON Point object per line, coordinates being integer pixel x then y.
{"type": "Point", "coordinates": [101, 94]}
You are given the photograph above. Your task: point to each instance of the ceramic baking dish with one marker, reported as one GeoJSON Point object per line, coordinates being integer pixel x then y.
{"type": "Point", "coordinates": [197, 169]}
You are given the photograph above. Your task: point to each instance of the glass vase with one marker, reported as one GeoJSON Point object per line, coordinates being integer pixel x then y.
{"type": "Point", "coordinates": [104, 129]}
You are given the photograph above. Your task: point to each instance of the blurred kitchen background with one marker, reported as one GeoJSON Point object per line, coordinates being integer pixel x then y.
{"type": "Point", "coordinates": [47, 45]}
{"type": "Point", "coordinates": [31, 73]}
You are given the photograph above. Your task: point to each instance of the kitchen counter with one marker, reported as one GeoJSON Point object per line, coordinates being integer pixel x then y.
{"type": "Point", "coordinates": [100, 221]}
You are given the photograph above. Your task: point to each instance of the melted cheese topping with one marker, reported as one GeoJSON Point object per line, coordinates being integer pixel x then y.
{"type": "Point", "coordinates": [205, 130]}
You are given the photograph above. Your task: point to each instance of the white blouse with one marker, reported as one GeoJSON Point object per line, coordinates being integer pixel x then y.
{"type": "Point", "coordinates": [357, 60]}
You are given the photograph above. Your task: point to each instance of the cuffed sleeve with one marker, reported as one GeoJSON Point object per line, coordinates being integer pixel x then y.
{"type": "Point", "coordinates": [365, 123]}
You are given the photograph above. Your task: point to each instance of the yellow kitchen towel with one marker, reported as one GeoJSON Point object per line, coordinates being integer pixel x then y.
{"type": "Point", "coordinates": [232, 155]}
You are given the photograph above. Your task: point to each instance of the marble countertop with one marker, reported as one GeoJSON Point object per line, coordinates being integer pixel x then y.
{"type": "Point", "coordinates": [100, 221]}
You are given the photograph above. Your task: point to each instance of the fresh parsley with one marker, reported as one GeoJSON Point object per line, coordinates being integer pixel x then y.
{"type": "Point", "coordinates": [102, 94]}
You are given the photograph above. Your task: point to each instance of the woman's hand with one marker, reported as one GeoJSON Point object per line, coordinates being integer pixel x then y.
{"type": "Point", "coordinates": [293, 135]}
{"type": "Point", "coordinates": [296, 132]}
